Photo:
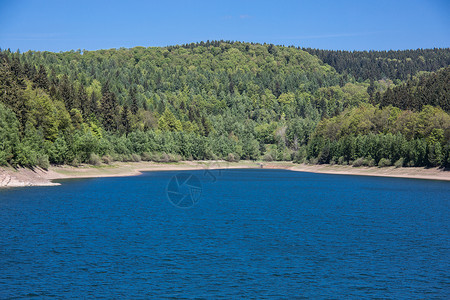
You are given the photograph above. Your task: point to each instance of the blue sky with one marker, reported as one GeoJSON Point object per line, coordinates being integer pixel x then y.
{"type": "Point", "coordinates": [350, 25]}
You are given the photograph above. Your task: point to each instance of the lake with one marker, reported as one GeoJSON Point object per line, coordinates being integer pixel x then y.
{"type": "Point", "coordinates": [227, 234]}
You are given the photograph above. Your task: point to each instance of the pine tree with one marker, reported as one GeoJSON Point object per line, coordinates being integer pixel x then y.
{"type": "Point", "coordinates": [82, 102]}
{"type": "Point", "coordinates": [108, 109]}
{"type": "Point", "coordinates": [66, 92]}
{"type": "Point", "coordinates": [41, 79]}
{"type": "Point", "coordinates": [134, 105]}
{"type": "Point", "coordinates": [125, 120]}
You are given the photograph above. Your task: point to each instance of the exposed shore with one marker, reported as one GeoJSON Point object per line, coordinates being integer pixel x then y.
{"type": "Point", "coordinates": [10, 177]}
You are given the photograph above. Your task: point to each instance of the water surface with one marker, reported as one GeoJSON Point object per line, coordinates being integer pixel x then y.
{"type": "Point", "coordinates": [251, 234]}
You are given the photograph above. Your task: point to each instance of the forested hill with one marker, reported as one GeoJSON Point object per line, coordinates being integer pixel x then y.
{"type": "Point", "coordinates": [376, 65]}
{"type": "Point", "coordinates": [212, 100]}
{"type": "Point", "coordinates": [222, 68]}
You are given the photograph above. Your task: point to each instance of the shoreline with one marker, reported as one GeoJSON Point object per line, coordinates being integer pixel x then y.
{"type": "Point", "coordinates": [21, 177]}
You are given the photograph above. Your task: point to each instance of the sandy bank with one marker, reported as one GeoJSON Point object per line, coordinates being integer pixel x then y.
{"type": "Point", "coordinates": [417, 173]}
{"type": "Point", "coordinates": [10, 177]}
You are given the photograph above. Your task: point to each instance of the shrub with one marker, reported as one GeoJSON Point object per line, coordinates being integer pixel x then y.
{"type": "Point", "coordinates": [94, 159]}
{"type": "Point", "coordinates": [359, 162]}
{"type": "Point", "coordinates": [106, 159]}
{"type": "Point", "coordinates": [267, 157]}
{"type": "Point", "coordinates": [231, 158]}
{"type": "Point", "coordinates": [314, 161]}
{"type": "Point", "coordinates": [75, 162]}
{"type": "Point", "coordinates": [333, 160]}
{"type": "Point", "coordinates": [42, 161]}
{"type": "Point", "coordinates": [135, 157]}
{"type": "Point", "coordinates": [399, 163]}
{"type": "Point", "coordinates": [300, 156]}
{"type": "Point", "coordinates": [146, 156]}
{"type": "Point", "coordinates": [410, 163]}
{"type": "Point", "coordinates": [286, 156]}
{"type": "Point", "coordinates": [384, 162]}
{"type": "Point", "coordinates": [164, 157]}
{"type": "Point", "coordinates": [174, 157]}
{"type": "Point", "coordinates": [341, 161]}
{"type": "Point", "coordinates": [371, 162]}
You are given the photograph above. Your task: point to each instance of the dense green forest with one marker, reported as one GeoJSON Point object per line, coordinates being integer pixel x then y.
{"type": "Point", "coordinates": [223, 100]}
{"type": "Point", "coordinates": [397, 65]}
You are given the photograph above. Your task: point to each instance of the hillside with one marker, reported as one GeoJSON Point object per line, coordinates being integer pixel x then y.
{"type": "Point", "coordinates": [212, 100]}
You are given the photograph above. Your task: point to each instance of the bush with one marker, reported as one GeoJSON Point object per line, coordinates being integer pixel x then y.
{"type": "Point", "coordinates": [286, 156]}
{"type": "Point", "coordinates": [267, 157]}
{"type": "Point", "coordinates": [135, 157]}
{"type": "Point", "coordinates": [174, 158]}
{"type": "Point", "coordinates": [314, 161]}
{"type": "Point", "coordinates": [300, 156]}
{"type": "Point", "coordinates": [42, 161]}
{"type": "Point", "coordinates": [411, 163]}
{"type": "Point", "coordinates": [399, 163]}
{"type": "Point", "coordinates": [106, 159]}
{"type": "Point", "coordinates": [341, 161]}
{"type": "Point", "coordinates": [232, 157]}
{"type": "Point", "coordinates": [367, 162]}
{"type": "Point", "coordinates": [94, 159]}
{"type": "Point", "coordinates": [145, 156]}
{"type": "Point", "coordinates": [333, 160]}
{"type": "Point", "coordinates": [384, 162]}
{"type": "Point", "coordinates": [75, 162]}
{"type": "Point", "coordinates": [371, 162]}
{"type": "Point", "coordinates": [164, 157]}
{"type": "Point", "coordinates": [126, 158]}
{"type": "Point", "coordinates": [359, 162]}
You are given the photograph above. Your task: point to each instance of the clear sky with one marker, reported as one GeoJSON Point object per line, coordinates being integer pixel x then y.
{"type": "Point", "coordinates": [351, 25]}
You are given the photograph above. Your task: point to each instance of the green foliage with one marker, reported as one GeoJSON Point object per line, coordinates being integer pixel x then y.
{"type": "Point", "coordinates": [427, 89]}
{"type": "Point", "coordinates": [9, 135]}
{"type": "Point", "coordinates": [399, 163]}
{"type": "Point", "coordinates": [384, 162]}
{"type": "Point", "coordinates": [375, 65]}
{"type": "Point", "coordinates": [43, 162]}
{"type": "Point", "coordinates": [168, 122]}
{"type": "Point", "coordinates": [94, 159]}
{"type": "Point", "coordinates": [221, 100]}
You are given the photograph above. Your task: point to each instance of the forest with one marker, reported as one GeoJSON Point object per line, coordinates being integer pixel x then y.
{"type": "Point", "coordinates": [225, 100]}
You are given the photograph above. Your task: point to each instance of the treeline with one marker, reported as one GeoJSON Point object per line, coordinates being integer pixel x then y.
{"type": "Point", "coordinates": [212, 100]}
{"type": "Point", "coordinates": [377, 65]}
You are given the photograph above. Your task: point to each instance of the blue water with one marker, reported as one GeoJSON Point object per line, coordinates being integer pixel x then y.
{"type": "Point", "coordinates": [250, 234]}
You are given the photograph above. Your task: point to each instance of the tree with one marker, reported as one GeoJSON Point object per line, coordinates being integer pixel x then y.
{"type": "Point", "coordinates": [41, 79]}
{"type": "Point", "coordinates": [9, 135]}
{"type": "Point", "coordinates": [66, 92]}
{"type": "Point", "coordinates": [125, 120]}
{"type": "Point", "coordinates": [168, 122]}
{"type": "Point", "coordinates": [108, 109]}
{"type": "Point", "coordinates": [134, 104]}
{"type": "Point", "coordinates": [82, 101]}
